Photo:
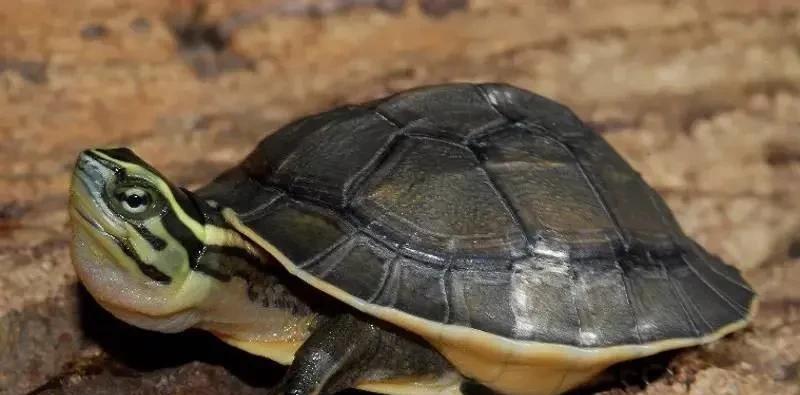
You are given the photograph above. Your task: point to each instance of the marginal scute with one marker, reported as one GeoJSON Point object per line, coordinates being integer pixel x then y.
{"type": "Point", "coordinates": [604, 310]}
{"type": "Point", "coordinates": [300, 230]}
{"type": "Point", "coordinates": [235, 188]}
{"type": "Point", "coordinates": [541, 298]}
{"type": "Point", "coordinates": [359, 266]}
{"type": "Point", "coordinates": [725, 279]}
{"type": "Point", "coordinates": [420, 281]}
{"type": "Point", "coordinates": [480, 299]}
{"type": "Point", "coordinates": [658, 311]}
{"type": "Point", "coordinates": [711, 309]}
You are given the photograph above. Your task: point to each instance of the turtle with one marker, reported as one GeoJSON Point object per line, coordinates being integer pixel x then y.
{"type": "Point", "coordinates": [447, 239]}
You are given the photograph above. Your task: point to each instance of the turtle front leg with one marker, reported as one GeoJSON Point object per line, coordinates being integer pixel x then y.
{"type": "Point", "coordinates": [347, 350]}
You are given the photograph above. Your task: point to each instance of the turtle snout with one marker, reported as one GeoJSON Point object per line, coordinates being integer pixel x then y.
{"type": "Point", "coordinates": [88, 194]}
{"type": "Point", "coordinates": [92, 172]}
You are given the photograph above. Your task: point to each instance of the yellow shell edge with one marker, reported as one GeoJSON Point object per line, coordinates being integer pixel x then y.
{"type": "Point", "coordinates": [513, 367]}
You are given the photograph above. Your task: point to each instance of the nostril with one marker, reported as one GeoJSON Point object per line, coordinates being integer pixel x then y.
{"type": "Point", "coordinates": [84, 160]}
{"type": "Point", "coordinates": [91, 163]}
{"type": "Point", "coordinates": [85, 155]}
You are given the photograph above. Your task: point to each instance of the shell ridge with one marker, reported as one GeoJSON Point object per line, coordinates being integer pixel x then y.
{"type": "Point", "coordinates": [341, 244]}
{"type": "Point", "coordinates": [382, 114]}
{"type": "Point", "coordinates": [487, 131]}
{"type": "Point", "coordinates": [355, 185]}
{"type": "Point", "coordinates": [443, 280]}
{"type": "Point", "coordinates": [481, 90]}
{"type": "Point", "coordinates": [449, 297]}
{"type": "Point", "coordinates": [574, 293]}
{"type": "Point", "coordinates": [393, 247]}
{"type": "Point", "coordinates": [262, 209]}
{"type": "Point", "coordinates": [504, 200]}
{"type": "Point", "coordinates": [392, 284]}
{"type": "Point", "coordinates": [326, 252]}
{"type": "Point", "coordinates": [630, 302]}
{"type": "Point", "coordinates": [385, 278]}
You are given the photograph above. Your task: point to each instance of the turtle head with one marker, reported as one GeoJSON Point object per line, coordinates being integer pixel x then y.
{"type": "Point", "coordinates": [136, 237]}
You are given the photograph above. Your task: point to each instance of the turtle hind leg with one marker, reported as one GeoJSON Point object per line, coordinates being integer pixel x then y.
{"type": "Point", "coordinates": [347, 350]}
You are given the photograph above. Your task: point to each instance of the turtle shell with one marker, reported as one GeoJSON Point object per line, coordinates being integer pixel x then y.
{"type": "Point", "coordinates": [480, 209]}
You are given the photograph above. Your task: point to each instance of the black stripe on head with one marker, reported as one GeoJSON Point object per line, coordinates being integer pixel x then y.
{"type": "Point", "coordinates": [194, 247]}
{"type": "Point", "coordinates": [156, 242]}
{"type": "Point", "coordinates": [148, 270]}
{"type": "Point", "coordinates": [117, 169]}
{"type": "Point", "coordinates": [126, 155]}
{"type": "Point", "coordinates": [190, 206]}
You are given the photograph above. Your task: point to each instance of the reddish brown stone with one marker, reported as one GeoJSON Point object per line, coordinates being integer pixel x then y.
{"type": "Point", "coordinates": [701, 97]}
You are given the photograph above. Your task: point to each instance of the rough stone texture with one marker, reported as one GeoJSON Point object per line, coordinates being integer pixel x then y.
{"type": "Point", "coordinates": [702, 96]}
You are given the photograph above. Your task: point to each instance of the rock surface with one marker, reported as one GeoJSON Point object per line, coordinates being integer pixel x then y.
{"type": "Point", "coordinates": [702, 96]}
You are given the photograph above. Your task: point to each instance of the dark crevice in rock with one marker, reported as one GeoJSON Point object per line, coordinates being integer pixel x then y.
{"type": "Point", "coordinates": [783, 155]}
{"type": "Point", "coordinates": [31, 71]}
{"type": "Point", "coordinates": [11, 210]}
{"type": "Point", "coordinates": [324, 8]}
{"type": "Point", "coordinates": [794, 248]}
{"type": "Point", "coordinates": [442, 8]}
{"type": "Point", "coordinates": [94, 31]}
{"type": "Point", "coordinates": [205, 46]}
{"type": "Point", "coordinates": [140, 25]}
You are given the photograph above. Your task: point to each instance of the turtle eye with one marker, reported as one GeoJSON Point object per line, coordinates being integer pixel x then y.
{"type": "Point", "coordinates": [134, 200]}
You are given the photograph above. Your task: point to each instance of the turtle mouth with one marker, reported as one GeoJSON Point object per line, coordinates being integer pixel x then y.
{"type": "Point", "coordinates": [87, 197]}
{"type": "Point", "coordinates": [79, 214]}
{"type": "Point", "coordinates": [89, 217]}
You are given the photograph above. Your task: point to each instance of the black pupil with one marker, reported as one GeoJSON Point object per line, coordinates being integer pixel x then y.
{"type": "Point", "coordinates": [135, 200]}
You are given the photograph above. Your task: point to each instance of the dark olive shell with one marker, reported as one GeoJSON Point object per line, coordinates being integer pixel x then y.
{"type": "Point", "coordinates": [484, 206]}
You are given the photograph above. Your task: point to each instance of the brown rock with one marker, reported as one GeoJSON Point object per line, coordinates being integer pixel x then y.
{"type": "Point", "coordinates": [701, 97]}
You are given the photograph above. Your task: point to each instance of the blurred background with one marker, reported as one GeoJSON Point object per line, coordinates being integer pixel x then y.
{"type": "Point", "coordinates": [701, 96]}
